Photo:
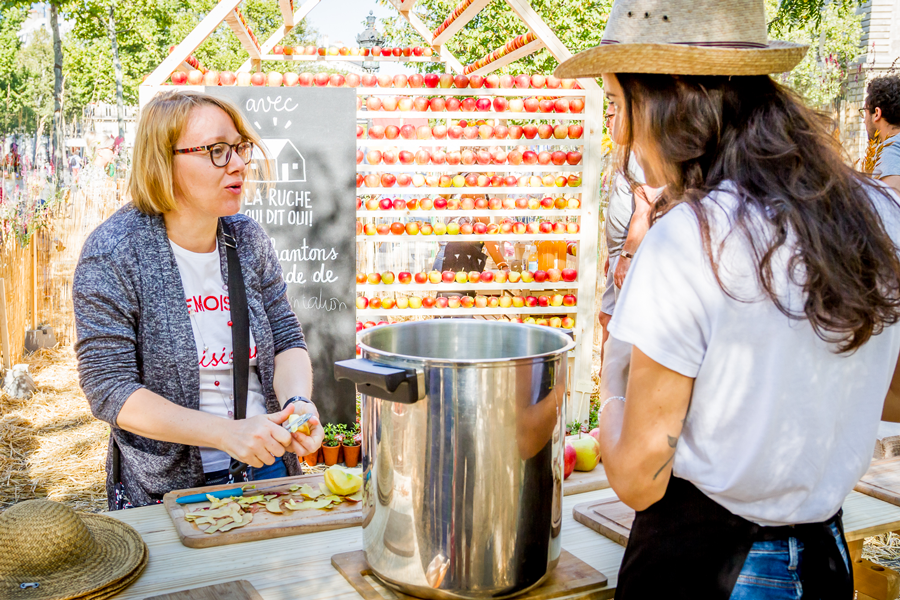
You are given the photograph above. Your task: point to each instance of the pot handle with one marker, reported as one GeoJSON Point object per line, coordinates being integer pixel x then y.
{"type": "Point", "coordinates": [406, 386]}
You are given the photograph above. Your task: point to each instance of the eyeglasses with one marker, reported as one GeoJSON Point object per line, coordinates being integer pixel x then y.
{"type": "Point", "coordinates": [862, 112]}
{"type": "Point", "coordinates": [220, 153]}
{"type": "Point", "coordinates": [610, 116]}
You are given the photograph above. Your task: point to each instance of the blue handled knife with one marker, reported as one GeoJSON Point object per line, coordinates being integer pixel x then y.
{"type": "Point", "coordinates": [194, 498]}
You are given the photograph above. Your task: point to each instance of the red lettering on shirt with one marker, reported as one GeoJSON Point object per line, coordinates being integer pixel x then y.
{"type": "Point", "coordinates": [215, 359]}
{"type": "Point", "coordinates": [208, 304]}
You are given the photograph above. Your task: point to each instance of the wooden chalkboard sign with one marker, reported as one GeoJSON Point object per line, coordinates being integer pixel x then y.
{"type": "Point", "coordinates": [308, 208]}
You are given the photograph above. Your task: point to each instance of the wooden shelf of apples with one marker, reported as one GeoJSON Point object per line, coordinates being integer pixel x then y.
{"type": "Point", "coordinates": [526, 163]}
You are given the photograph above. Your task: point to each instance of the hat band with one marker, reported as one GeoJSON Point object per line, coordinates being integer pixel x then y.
{"type": "Point", "coordinates": [739, 45]}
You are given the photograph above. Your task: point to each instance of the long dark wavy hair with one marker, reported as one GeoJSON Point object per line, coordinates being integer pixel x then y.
{"type": "Point", "coordinates": [786, 166]}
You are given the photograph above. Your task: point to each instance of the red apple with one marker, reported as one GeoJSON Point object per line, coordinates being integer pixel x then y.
{"type": "Point", "coordinates": [461, 81]}
{"type": "Point", "coordinates": [255, 79]}
{"type": "Point", "coordinates": [569, 275]}
{"type": "Point", "coordinates": [558, 157]}
{"type": "Point", "coordinates": [321, 79]}
{"type": "Point", "coordinates": [573, 158]}
{"type": "Point", "coordinates": [415, 80]}
{"type": "Point", "coordinates": [575, 131]}
{"type": "Point", "coordinates": [476, 81]}
{"type": "Point", "coordinates": [391, 132]}
{"type": "Point", "coordinates": [492, 81]}
{"type": "Point", "coordinates": [180, 77]}
{"type": "Point", "coordinates": [432, 80]}
{"type": "Point", "coordinates": [569, 459]}
{"type": "Point", "coordinates": [531, 105]}
{"type": "Point", "coordinates": [516, 132]}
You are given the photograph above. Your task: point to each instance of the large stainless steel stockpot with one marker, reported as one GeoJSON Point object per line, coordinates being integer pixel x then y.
{"type": "Point", "coordinates": [463, 438]}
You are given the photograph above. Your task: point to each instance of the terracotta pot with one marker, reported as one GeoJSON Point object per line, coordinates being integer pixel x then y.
{"type": "Point", "coordinates": [312, 459]}
{"type": "Point", "coordinates": [351, 455]}
{"type": "Point", "coordinates": [331, 454]}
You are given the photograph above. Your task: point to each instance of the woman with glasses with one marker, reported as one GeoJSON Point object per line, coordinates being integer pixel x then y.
{"type": "Point", "coordinates": [153, 312]}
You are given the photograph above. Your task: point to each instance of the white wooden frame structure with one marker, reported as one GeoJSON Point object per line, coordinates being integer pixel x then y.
{"type": "Point", "coordinates": [225, 10]}
{"type": "Point", "coordinates": [588, 238]}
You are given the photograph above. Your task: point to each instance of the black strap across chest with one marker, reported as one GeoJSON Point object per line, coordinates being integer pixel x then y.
{"type": "Point", "coordinates": [240, 325]}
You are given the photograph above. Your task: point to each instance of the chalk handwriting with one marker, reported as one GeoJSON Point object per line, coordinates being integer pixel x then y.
{"type": "Point", "coordinates": [270, 105]}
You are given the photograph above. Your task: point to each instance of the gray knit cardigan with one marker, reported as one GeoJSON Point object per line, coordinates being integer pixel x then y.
{"type": "Point", "coordinates": [134, 331]}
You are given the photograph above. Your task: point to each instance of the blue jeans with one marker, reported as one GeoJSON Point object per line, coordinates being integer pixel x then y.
{"type": "Point", "coordinates": [273, 471]}
{"type": "Point", "coordinates": [773, 570]}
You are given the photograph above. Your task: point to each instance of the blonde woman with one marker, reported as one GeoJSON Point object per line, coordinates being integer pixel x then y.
{"type": "Point", "coordinates": [154, 320]}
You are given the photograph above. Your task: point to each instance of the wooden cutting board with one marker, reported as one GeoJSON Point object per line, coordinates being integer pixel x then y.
{"type": "Point", "coordinates": [882, 481]}
{"type": "Point", "coordinates": [265, 525]}
{"type": "Point", "coordinates": [610, 517]}
{"type": "Point", "coordinates": [572, 576]}
{"type": "Point", "coordinates": [230, 590]}
{"type": "Point", "coordinates": [586, 481]}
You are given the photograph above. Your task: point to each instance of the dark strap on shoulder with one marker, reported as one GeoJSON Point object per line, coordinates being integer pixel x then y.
{"type": "Point", "coordinates": [240, 324]}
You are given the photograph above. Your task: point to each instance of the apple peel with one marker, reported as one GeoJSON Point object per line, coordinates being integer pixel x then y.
{"type": "Point", "coordinates": [308, 491]}
{"type": "Point", "coordinates": [274, 506]}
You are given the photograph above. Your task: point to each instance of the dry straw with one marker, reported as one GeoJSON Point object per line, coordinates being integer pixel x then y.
{"type": "Point", "coordinates": [52, 446]}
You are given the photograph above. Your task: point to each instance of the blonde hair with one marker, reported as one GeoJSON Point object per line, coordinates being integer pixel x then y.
{"type": "Point", "coordinates": [163, 120]}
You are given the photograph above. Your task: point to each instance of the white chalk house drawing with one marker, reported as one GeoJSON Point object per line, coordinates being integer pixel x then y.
{"type": "Point", "coordinates": [286, 164]}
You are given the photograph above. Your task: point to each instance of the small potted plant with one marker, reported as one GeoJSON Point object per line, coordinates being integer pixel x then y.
{"type": "Point", "coordinates": [351, 446]}
{"type": "Point", "coordinates": [331, 445]}
{"type": "Point", "coordinates": [312, 459]}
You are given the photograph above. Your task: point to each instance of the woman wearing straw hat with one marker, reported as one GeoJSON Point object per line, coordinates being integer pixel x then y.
{"type": "Point", "coordinates": [172, 295]}
{"type": "Point", "coordinates": [762, 307]}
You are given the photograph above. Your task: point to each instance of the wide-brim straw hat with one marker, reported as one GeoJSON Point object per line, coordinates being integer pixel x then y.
{"type": "Point", "coordinates": [685, 37]}
{"type": "Point", "coordinates": [67, 554]}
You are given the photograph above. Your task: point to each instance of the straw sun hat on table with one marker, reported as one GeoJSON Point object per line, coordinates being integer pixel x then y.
{"type": "Point", "coordinates": [50, 552]}
{"type": "Point", "coordinates": [685, 37]}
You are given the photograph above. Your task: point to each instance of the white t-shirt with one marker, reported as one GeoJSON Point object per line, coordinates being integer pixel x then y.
{"type": "Point", "coordinates": [780, 427]}
{"type": "Point", "coordinates": [206, 296]}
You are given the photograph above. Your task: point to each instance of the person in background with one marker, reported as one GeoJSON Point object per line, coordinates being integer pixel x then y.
{"type": "Point", "coordinates": [882, 116]}
{"type": "Point", "coordinates": [13, 162]}
{"type": "Point", "coordinates": [626, 224]}
{"type": "Point", "coordinates": [105, 153]}
{"type": "Point", "coordinates": [762, 306]}
{"type": "Point", "coordinates": [154, 321]}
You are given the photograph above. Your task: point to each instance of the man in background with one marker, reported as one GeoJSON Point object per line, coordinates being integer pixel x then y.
{"type": "Point", "coordinates": [882, 116]}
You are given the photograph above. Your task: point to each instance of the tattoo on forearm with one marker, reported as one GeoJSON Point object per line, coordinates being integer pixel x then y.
{"type": "Point", "coordinates": [673, 441]}
{"type": "Point", "coordinates": [663, 467]}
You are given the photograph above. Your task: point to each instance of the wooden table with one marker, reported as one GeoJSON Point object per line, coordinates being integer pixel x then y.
{"type": "Point", "coordinates": [300, 566]}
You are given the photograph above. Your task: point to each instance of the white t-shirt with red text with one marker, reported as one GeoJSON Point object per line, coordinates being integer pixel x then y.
{"type": "Point", "coordinates": [206, 296]}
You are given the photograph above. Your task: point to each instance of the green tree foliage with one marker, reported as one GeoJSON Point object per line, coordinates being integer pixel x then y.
{"type": "Point", "coordinates": [222, 51]}
{"type": "Point", "coordinates": [833, 36]}
{"type": "Point", "coordinates": [12, 78]}
{"type": "Point", "coordinates": [36, 64]}
{"type": "Point", "coordinates": [578, 23]}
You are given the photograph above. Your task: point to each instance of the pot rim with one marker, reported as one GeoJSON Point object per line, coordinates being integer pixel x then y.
{"type": "Point", "coordinates": [371, 353]}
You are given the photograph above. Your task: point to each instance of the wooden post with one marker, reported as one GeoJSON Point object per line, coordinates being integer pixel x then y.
{"type": "Point", "coordinates": [4, 330]}
{"type": "Point", "coordinates": [588, 253]}
{"type": "Point", "coordinates": [34, 282]}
